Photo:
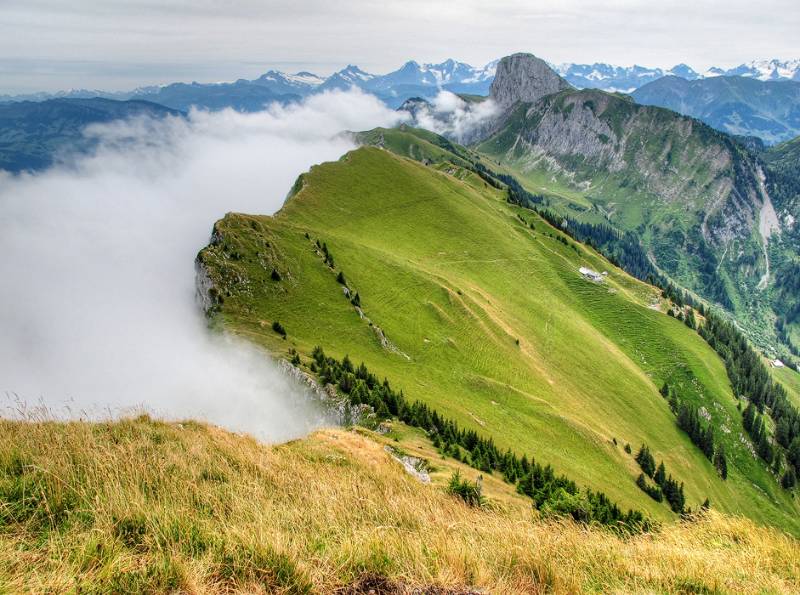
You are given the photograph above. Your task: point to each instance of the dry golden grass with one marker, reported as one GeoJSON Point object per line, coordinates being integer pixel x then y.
{"type": "Point", "coordinates": [139, 505]}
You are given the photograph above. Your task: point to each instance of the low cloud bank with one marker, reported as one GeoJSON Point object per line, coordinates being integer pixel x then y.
{"type": "Point", "coordinates": [97, 311]}
{"type": "Point", "coordinates": [451, 116]}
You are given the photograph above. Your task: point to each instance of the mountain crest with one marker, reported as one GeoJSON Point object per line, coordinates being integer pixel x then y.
{"type": "Point", "coordinates": [524, 78]}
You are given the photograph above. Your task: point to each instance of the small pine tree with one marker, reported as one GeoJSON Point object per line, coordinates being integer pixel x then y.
{"type": "Point", "coordinates": [764, 448]}
{"type": "Point", "coordinates": [720, 462]}
{"type": "Point", "coordinates": [660, 475]}
{"type": "Point", "coordinates": [278, 328]}
{"type": "Point", "coordinates": [789, 479]}
{"type": "Point", "coordinates": [646, 461]}
{"type": "Point", "coordinates": [748, 417]}
{"type": "Point", "coordinates": [276, 276]}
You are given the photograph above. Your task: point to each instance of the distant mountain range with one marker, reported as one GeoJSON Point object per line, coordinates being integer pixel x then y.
{"type": "Point", "coordinates": [734, 104]}
{"type": "Point", "coordinates": [33, 135]}
{"type": "Point", "coordinates": [760, 99]}
{"type": "Point", "coordinates": [627, 79]}
{"type": "Point", "coordinates": [410, 80]}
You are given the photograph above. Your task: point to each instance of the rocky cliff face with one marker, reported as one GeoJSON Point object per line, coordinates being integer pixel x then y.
{"type": "Point", "coordinates": [656, 153]}
{"type": "Point", "coordinates": [524, 78]}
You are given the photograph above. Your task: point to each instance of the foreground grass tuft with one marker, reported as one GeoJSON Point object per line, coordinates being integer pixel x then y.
{"type": "Point", "coordinates": [144, 506]}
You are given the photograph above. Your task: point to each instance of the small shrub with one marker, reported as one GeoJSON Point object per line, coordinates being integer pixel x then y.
{"type": "Point", "coordinates": [276, 276]}
{"type": "Point", "coordinates": [468, 491]}
{"type": "Point", "coordinates": [214, 475]}
{"type": "Point", "coordinates": [242, 564]}
{"type": "Point", "coordinates": [131, 530]}
{"type": "Point", "coordinates": [278, 328]}
{"type": "Point", "coordinates": [158, 575]}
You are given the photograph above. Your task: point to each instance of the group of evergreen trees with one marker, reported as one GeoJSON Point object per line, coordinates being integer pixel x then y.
{"type": "Point", "coordinates": [516, 193]}
{"type": "Point", "coordinates": [786, 301]}
{"type": "Point", "coordinates": [751, 380]}
{"type": "Point", "coordinates": [550, 492]}
{"type": "Point", "coordinates": [327, 257]}
{"type": "Point", "coordinates": [754, 424]}
{"type": "Point", "coordinates": [701, 434]}
{"type": "Point", "coordinates": [665, 488]}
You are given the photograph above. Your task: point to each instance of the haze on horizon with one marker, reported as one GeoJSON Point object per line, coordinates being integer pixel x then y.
{"type": "Point", "coordinates": [47, 45]}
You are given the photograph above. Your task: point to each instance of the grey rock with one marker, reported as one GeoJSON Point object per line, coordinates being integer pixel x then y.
{"type": "Point", "coordinates": [524, 78]}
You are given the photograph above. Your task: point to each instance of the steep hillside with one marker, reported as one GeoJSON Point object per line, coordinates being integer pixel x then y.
{"type": "Point", "coordinates": [783, 166]}
{"type": "Point", "coordinates": [736, 105]}
{"type": "Point", "coordinates": [477, 308]}
{"type": "Point", "coordinates": [692, 194]}
{"type": "Point", "coordinates": [32, 134]}
{"type": "Point", "coordinates": [144, 506]}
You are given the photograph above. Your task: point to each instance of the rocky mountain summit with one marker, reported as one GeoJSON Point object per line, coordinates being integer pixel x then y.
{"type": "Point", "coordinates": [524, 78]}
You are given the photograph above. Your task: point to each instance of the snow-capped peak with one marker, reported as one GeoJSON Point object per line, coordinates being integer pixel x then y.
{"type": "Point", "coordinates": [769, 70]}
{"type": "Point", "coordinates": [306, 78]}
{"type": "Point", "coordinates": [354, 73]}
{"type": "Point", "coordinates": [282, 79]}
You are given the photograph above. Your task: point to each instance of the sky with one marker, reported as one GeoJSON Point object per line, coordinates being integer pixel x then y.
{"type": "Point", "coordinates": [120, 44]}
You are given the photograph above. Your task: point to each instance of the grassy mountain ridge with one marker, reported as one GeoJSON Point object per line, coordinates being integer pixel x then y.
{"type": "Point", "coordinates": [144, 506]}
{"type": "Point", "coordinates": [476, 307]}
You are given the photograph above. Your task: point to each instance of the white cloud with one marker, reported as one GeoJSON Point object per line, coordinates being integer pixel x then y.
{"type": "Point", "coordinates": [451, 116]}
{"type": "Point", "coordinates": [97, 309]}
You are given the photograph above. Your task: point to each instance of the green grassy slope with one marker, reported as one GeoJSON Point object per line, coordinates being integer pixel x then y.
{"type": "Point", "coordinates": [444, 266]}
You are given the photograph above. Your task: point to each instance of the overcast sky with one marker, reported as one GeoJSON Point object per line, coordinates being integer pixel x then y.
{"type": "Point", "coordinates": [120, 44]}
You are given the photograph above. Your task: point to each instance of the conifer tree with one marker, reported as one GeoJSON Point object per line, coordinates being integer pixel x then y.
{"type": "Point", "coordinates": [789, 479]}
{"type": "Point", "coordinates": [661, 474]}
{"type": "Point", "coordinates": [720, 462]}
{"type": "Point", "coordinates": [646, 460]}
